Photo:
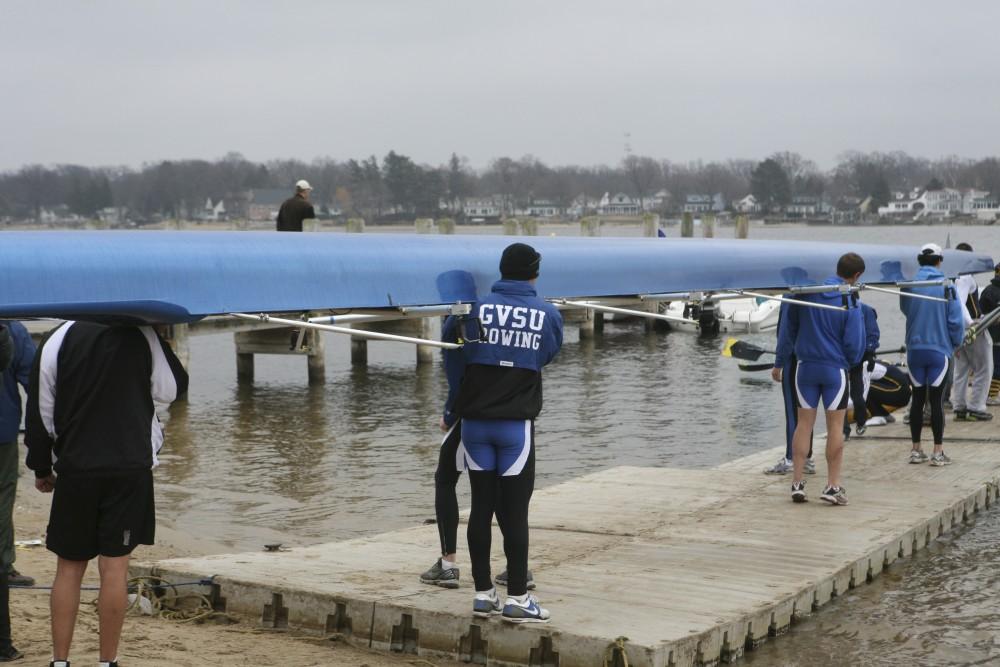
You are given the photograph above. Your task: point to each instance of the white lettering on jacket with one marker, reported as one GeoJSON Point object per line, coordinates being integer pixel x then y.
{"type": "Point", "coordinates": [517, 319]}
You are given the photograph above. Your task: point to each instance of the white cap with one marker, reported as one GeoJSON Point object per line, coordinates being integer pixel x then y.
{"type": "Point", "coordinates": [931, 249]}
{"type": "Point", "coordinates": [303, 185]}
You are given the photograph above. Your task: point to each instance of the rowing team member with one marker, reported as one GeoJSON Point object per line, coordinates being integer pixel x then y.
{"type": "Point", "coordinates": [495, 394]}
{"type": "Point", "coordinates": [933, 333]}
{"type": "Point", "coordinates": [886, 389]}
{"type": "Point", "coordinates": [827, 342]}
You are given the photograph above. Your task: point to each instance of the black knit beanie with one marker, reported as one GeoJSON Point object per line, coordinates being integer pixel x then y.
{"type": "Point", "coordinates": [519, 262]}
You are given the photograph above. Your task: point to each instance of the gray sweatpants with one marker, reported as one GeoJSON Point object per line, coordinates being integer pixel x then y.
{"type": "Point", "coordinates": [973, 372]}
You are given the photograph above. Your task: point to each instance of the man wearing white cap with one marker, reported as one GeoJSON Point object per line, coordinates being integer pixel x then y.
{"type": "Point", "coordinates": [295, 209]}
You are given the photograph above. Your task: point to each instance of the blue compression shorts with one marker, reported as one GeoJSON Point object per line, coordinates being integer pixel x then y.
{"type": "Point", "coordinates": [927, 367]}
{"type": "Point", "coordinates": [814, 382]}
{"type": "Point", "coordinates": [497, 444]}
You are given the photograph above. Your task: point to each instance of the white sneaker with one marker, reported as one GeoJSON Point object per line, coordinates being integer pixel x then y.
{"type": "Point", "coordinates": [525, 610]}
{"type": "Point", "coordinates": [876, 421]}
{"type": "Point", "coordinates": [782, 467]}
{"type": "Point", "coordinates": [486, 604]}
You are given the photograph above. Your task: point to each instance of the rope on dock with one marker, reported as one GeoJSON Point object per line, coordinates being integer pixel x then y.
{"type": "Point", "coordinates": [166, 602]}
{"type": "Point", "coordinates": [615, 656]}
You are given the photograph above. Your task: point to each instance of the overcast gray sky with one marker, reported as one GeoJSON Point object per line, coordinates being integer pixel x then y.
{"type": "Point", "coordinates": [104, 83]}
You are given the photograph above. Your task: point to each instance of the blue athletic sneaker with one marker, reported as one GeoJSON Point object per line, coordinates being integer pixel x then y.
{"type": "Point", "coordinates": [486, 604]}
{"type": "Point", "coordinates": [526, 611]}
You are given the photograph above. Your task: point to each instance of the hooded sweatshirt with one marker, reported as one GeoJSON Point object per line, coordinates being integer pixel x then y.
{"type": "Point", "coordinates": [932, 325]}
{"type": "Point", "coordinates": [821, 336]}
{"type": "Point", "coordinates": [990, 300]}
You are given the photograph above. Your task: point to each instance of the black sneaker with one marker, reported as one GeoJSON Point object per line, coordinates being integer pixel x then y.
{"type": "Point", "coordinates": [438, 576]}
{"type": "Point", "coordinates": [15, 578]}
{"type": "Point", "coordinates": [961, 415]}
{"type": "Point", "coordinates": [977, 416]}
{"type": "Point", "coordinates": [501, 580]}
{"type": "Point", "coordinates": [799, 493]}
{"type": "Point", "coordinates": [8, 653]}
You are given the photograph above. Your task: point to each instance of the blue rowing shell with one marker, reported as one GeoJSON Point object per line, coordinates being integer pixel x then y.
{"type": "Point", "coordinates": [173, 277]}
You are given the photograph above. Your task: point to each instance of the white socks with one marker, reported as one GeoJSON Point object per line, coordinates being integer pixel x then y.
{"type": "Point", "coordinates": [447, 564]}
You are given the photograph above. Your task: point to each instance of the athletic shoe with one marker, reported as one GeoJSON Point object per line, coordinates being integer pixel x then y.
{"type": "Point", "coordinates": [439, 576]}
{"type": "Point", "coordinates": [918, 456]}
{"type": "Point", "coordinates": [860, 429]}
{"type": "Point", "coordinates": [961, 415]}
{"type": "Point", "coordinates": [59, 663]}
{"type": "Point", "coordinates": [810, 468]}
{"type": "Point", "coordinates": [8, 654]}
{"type": "Point", "coordinates": [993, 400]}
{"type": "Point", "coordinates": [889, 419]}
{"type": "Point", "coordinates": [528, 611]}
{"type": "Point", "coordinates": [782, 467]}
{"type": "Point", "coordinates": [940, 459]}
{"type": "Point", "coordinates": [977, 416]}
{"type": "Point", "coordinates": [486, 604]}
{"type": "Point", "coordinates": [15, 578]}
{"type": "Point", "coordinates": [835, 495]}
{"type": "Point", "coordinates": [799, 493]}
{"type": "Point", "coordinates": [877, 421]}
{"type": "Point", "coordinates": [501, 580]}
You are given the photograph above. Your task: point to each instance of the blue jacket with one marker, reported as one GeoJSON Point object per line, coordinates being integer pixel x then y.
{"type": "Point", "coordinates": [872, 333]}
{"type": "Point", "coordinates": [820, 336]}
{"type": "Point", "coordinates": [16, 373]}
{"type": "Point", "coordinates": [932, 325]}
{"type": "Point", "coordinates": [521, 334]}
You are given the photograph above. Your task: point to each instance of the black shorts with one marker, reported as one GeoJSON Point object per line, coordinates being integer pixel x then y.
{"type": "Point", "coordinates": [104, 515]}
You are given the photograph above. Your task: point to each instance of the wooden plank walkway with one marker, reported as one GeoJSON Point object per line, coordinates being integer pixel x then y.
{"type": "Point", "coordinates": [692, 566]}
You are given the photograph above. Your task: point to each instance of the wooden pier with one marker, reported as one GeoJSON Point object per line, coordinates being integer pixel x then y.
{"type": "Point", "coordinates": [669, 567]}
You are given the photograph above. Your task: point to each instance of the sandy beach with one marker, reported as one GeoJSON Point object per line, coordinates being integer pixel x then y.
{"type": "Point", "coordinates": [153, 641]}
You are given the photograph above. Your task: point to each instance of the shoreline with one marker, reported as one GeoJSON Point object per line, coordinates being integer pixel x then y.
{"type": "Point", "coordinates": [153, 641]}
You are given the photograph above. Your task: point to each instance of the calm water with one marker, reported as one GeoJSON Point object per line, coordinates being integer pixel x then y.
{"type": "Point", "coordinates": [279, 460]}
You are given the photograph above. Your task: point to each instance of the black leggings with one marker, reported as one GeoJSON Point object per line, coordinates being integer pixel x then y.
{"type": "Point", "coordinates": [445, 500]}
{"type": "Point", "coordinates": [856, 387]}
{"type": "Point", "coordinates": [510, 497]}
{"type": "Point", "coordinates": [936, 397]}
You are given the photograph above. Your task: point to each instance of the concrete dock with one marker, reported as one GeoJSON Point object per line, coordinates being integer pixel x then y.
{"type": "Point", "coordinates": [662, 567]}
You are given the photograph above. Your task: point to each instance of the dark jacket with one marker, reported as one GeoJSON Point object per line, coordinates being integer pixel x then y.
{"type": "Point", "coordinates": [91, 399]}
{"type": "Point", "coordinates": [6, 347]}
{"type": "Point", "coordinates": [17, 373]}
{"type": "Point", "coordinates": [292, 212]}
{"type": "Point", "coordinates": [821, 336]}
{"type": "Point", "coordinates": [500, 376]}
{"type": "Point", "coordinates": [989, 299]}
{"type": "Point", "coordinates": [872, 332]}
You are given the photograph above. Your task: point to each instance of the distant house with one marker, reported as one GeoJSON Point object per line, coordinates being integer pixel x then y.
{"type": "Point", "coordinates": [619, 204]}
{"type": "Point", "coordinates": [582, 205]}
{"type": "Point", "coordinates": [212, 212]}
{"type": "Point", "coordinates": [986, 207]}
{"type": "Point", "coordinates": [541, 208]}
{"type": "Point", "coordinates": [265, 202]}
{"type": "Point", "coordinates": [748, 204]}
{"type": "Point", "coordinates": [657, 202]}
{"type": "Point", "coordinates": [806, 206]}
{"type": "Point", "coordinates": [699, 203]}
{"type": "Point", "coordinates": [490, 207]}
